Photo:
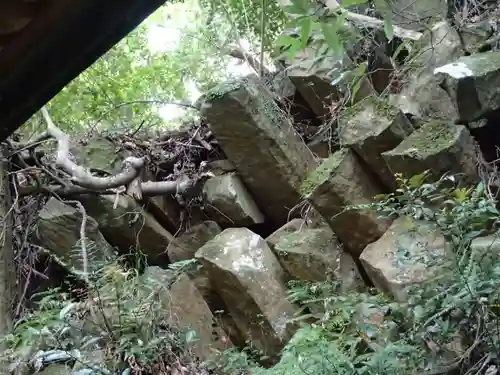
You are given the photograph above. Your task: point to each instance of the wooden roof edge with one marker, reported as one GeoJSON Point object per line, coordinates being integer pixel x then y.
{"type": "Point", "coordinates": [58, 48]}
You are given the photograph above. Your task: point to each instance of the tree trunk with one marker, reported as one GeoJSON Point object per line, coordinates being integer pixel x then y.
{"type": "Point", "coordinates": [7, 268]}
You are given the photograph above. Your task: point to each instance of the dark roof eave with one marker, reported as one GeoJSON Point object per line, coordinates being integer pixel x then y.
{"type": "Point", "coordinates": [58, 47]}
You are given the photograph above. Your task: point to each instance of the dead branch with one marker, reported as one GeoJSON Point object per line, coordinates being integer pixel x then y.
{"type": "Point", "coordinates": [255, 64]}
{"type": "Point", "coordinates": [82, 181]}
{"type": "Point", "coordinates": [372, 23]}
{"type": "Point", "coordinates": [83, 241]}
{"type": "Point", "coordinates": [148, 189]}
{"type": "Point", "coordinates": [79, 175]}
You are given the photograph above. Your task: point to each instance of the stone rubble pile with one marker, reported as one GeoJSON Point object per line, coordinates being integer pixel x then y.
{"type": "Point", "coordinates": [252, 239]}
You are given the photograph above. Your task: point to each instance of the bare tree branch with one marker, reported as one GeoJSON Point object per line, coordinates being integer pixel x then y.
{"type": "Point", "coordinates": [148, 189]}
{"type": "Point", "coordinates": [79, 175]}
{"type": "Point", "coordinates": [240, 54]}
{"type": "Point", "coordinates": [362, 20]}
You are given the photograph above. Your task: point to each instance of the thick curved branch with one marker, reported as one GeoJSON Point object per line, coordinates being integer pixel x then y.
{"type": "Point", "coordinates": [148, 188]}
{"type": "Point", "coordinates": [79, 175]}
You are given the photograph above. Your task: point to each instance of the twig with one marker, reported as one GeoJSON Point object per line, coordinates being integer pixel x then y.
{"type": "Point", "coordinates": [83, 242]}
{"type": "Point", "coordinates": [262, 35]}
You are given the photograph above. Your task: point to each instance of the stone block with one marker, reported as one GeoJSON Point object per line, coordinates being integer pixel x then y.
{"type": "Point", "coordinates": [228, 202]}
{"type": "Point", "coordinates": [372, 127]}
{"type": "Point", "coordinates": [257, 137]}
{"type": "Point", "coordinates": [438, 147]}
{"type": "Point", "coordinates": [407, 254]}
{"type": "Point", "coordinates": [58, 231]}
{"type": "Point", "coordinates": [473, 84]}
{"type": "Point", "coordinates": [316, 255]}
{"type": "Point", "coordinates": [251, 281]}
{"type": "Point", "coordinates": [338, 183]}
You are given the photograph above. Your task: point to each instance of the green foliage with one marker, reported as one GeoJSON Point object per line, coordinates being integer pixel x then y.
{"type": "Point", "coordinates": [450, 321]}
{"type": "Point", "coordinates": [125, 87]}
{"type": "Point", "coordinates": [123, 316]}
{"type": "Point", "coordinates": [245, 19]}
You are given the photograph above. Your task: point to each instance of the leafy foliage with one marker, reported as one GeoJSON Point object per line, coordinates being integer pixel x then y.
{"type": "Point", "coordinates": [245, 18]}
{"type": "Point", "coordinates": [127, 85]}
{"type": "Point", "coordinates": [449, 323]}
{"type": "Point", "coordinates": [122, 316]}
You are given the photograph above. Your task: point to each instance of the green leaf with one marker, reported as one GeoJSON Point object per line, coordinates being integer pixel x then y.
{"type": "Point", "coordinates": [388, 27]}
{"type": "Point", "coordinates": [285, 41]}
{"type": "Point", "coordinates": [293, 9]}
{"type": "Point", "coordinates": [293, 49]}
{"type": "Point", "coordinates": [416, 180]}
{"type": "Point", "coordinates": [331, 38]}
{"type": "Point", "coordinates": [302, 5]}
{"type": "Point", "coordinates": [191, 336]}
{"type": "Point", "coordinates": [383, 7]}
{"type": "Point", "coordinates": [347, 3]}
{"type": "Point", "coordinates": [305, 31]}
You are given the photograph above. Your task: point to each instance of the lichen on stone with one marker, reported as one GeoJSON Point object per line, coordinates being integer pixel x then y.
{"type": "Point", "coordinates": [381, 107]}
{"type": "Point", "coordinates": [224, 89]}
{"type": "Point", "coordinates": [321, 173]}
{"type": "Point", "coordinates": [431, 137]}
{"type": "Point", "coordinates": [473, 65]}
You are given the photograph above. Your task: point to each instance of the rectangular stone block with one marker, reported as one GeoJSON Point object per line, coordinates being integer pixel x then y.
{"type": "Point", "coordinates": [439, 147]}
{"type": "Point", "coordinates": [338, 183]}
{"type": "Point", "coordinates": [372, 127]}
{"type": "Point", "coordinates": [473, 84]}
{"type": "Point", "coordinates": [258, 138]}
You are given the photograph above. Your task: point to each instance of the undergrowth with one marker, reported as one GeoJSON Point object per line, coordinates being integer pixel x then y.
{"type": "Point", "coordinates": [119, 322]}
{"type": "Point", "coordinates": [448, 325]}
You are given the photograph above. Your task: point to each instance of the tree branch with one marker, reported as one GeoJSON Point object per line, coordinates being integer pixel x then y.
{"type": "Point", "coordinates": [148, 188]}
{"type": "Point", "coordinates": [83, 182]}
{"type": "Point", "coordinates": [240, 54]}
{"type": "Point", "coordinates": [371, 22]}
{"type": "Point", "coordinates": [79, 175]}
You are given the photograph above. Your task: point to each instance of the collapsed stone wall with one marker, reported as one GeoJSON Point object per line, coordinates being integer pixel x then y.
{"type": "Point", "coordinates": [274, 206]}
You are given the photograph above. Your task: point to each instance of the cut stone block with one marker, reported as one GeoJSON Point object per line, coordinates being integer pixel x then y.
{"type": "Point", "coordinates": [422, 96]}
{"type": "Point", "coordinates": [228, 201]}
{"type": "Point", "coordinates": [475, 34]}
{"type": "Point", "coordinates": [405, 255]}
{"type": "Point", "coordinates": [417, 15]}
{"type": "Point", "coordinates": [186, 309]}
{"type": "Point", "coordinates": [98, 154]}
{"type": "Point", "coordinates": [341, 181]}
{"type": "Point", "coordinates": [258, 139]}
{"type": "Point", "coordinates": [58, 231]}
{"type": "Point", "coordinates": [437, 147]}
{"type": "Point", "coordinates": [372, 127]}
{"type": "Point", "coordinates": [473, 84]}
{"type": "Point", "coordinates": [292, 226]}
{"type": "Point", "coordinates": [187, 244]}
{"type": "Point", "coordinates": [313, 80]}
{"type": "Point", "coordinates": [251, 281]}
{"type": "Point", "coordinates": [317, 255]}
{"type": "Point", "coordinates": [127, 226]}
{"type": "Point", "coordinates": [185, 247]}
{"type": "Point", "coordinates": [438, 45]}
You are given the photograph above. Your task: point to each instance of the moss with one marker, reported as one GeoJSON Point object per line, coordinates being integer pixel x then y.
{"type": "Point", "coordinates": [428, 139]}
{"type": "Point", "coordinates": [320, 240]}
{"type": "Point", "coordinates": [382, 107]}
{"type": "Point", "coordinates": [321, 173]}
{"type": "Point", "coordinates": [224, 89]}
{"type": "Point", "coordinates": [482, 62]}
